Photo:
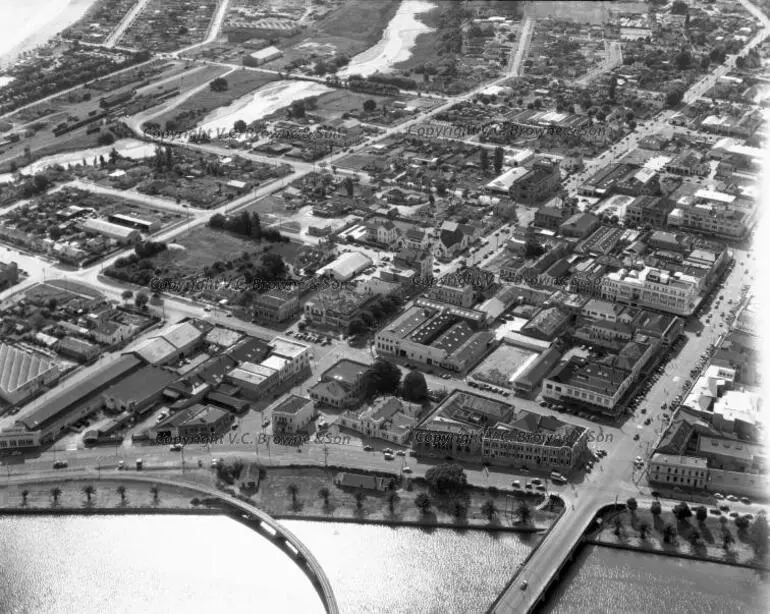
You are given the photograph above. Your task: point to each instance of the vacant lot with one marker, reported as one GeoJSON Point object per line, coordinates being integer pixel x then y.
{"type": "Point", "coordinates": [203, 247]}
{"type": "Point", "coordinates": [369, 20]}
{"type": "Point", "coordinates": [334, 104]}
{"type": "Point", "coordinates": [501, 365]}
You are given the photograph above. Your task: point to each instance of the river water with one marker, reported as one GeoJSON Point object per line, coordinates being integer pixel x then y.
{"type": "Point", "coordinates": [205, 564]}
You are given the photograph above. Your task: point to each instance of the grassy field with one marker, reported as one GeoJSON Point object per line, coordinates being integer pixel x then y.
{"type": "Point", "coordinates": [334, 30]}
{"type": "Point", "coordinates": [202, 247]}
{"type": "Point", "coordinates": [334, 104]}
{"type": "Point", "coordinates": [239, 83]}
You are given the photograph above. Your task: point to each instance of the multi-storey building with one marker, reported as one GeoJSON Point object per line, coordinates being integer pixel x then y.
{"type": "Point", "coordinates": [652, 210]}
{"type": "Point", "coordinates": [675, 293]}
{"type": "Point", "coordinates": [537, 184]}
{"type": "Point", "coordinates": [342, 385]}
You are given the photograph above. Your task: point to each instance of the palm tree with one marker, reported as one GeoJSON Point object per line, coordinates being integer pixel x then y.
{"type": "Point", "coordinates": [154, 490]}
{"type": "Point", "coordinates": [422, 501]}
{"type": "Point", "coordinates": [727, 541]}
{"type": "Point", "coordinates": [360, 498]}
{"type": "Point", "coordinates": [324, 493]}
{"type": "Point", "coordinates": [631, 504]}
{"type": "Point", "coordinates": [121, 490]}
{"type": "Point", "coordinates": [669, 534]}
{"type": "Point", "coordinates": [655, 509]}
{"type": "Point", "coordinates": [56, 493]}
{"type": "Point", "coordinates": [524, 512]}
{"type": "Point", "coordinates": [643, 529]}
{"type": "Point", "coordinates": [24, 495]}
{"type": "Point", "coordinates": [393, 499]}
{"type": "Point", "coordinates": [694, 538]}
{"type": "Point", "coordinates": [489, 510]}
{"type": "Point", "coordinates": [618, 525]}
{"type": "Point", "coordinates": [293, 489]}
{"type": "Point", "coordinates": [88, 491]}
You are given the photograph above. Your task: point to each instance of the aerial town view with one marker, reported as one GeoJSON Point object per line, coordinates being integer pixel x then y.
{"type": "Point", "coordinates": [383, 306]}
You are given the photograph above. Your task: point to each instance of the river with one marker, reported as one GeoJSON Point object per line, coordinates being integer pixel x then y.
{"type": "Point", "coordinates": [127, 564]}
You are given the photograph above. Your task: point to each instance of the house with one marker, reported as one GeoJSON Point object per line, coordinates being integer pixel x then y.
{"type": "Point", "coordinates": [292, 414]}
{"type": "Point", "coordinates": [418, 260]}
{"type": "Point", "coordinates": [415, 238]}
{"type": "Point", "coordinates": [452, 239]}
{"type": "Point", "coordinates": [387, 418]}
{"type": "Point", "coordinates": [384, 232]}
{"type": "Point", "coordinates": [78, 349]}
{"type": "Point", "coordinates": [111, 332]}
{"type": "Point", "coordinates": [342, 385]}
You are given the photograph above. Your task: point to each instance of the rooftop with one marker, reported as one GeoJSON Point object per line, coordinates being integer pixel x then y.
{"type": "Point", "coordinates": [588, 375]}
{"type": "Point", "coordinates": [291, 404]}
{"type": "Point", "coordinates": [19, 367]}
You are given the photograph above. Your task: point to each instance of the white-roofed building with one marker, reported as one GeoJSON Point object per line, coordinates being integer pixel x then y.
{"type": "Point", "coordinates": [296, 355]}
{"type": "Point", "coordinates": [254, 380]}
{"type": "Point", "coordinates": [23, 373]}
{"type": "Point", "coordinates": [504, 182]}
{"type": "Point", "coordinates": [347, 266]}
{"type": "Point", "coordinates": [121, 234]}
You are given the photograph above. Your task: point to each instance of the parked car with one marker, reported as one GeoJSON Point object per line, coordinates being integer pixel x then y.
{"type": "Point", "coordinates": [60, 464]}
{"type": "Point", "coordinates": [368, 448]}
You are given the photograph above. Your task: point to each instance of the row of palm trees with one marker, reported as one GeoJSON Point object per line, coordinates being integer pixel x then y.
{"type": "Point", "coordinates": [89, 491]}
{"type": "Point", "coordinates": [422, 501]}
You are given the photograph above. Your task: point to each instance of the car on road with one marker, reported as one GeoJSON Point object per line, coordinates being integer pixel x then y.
{"type": "Point", "coordinates": [121, 465]}
{"type": "Point", "coordinates": [400, 453]}
{"type": "Point", "coordinates": [715, 512]}
{"type": "Point", "coordinates": [537, 481]}
{"type": "Point", "coordinates": [368, 448]}
{"type": "Point", "coordinates": [724, 507]}
{"type": "Point", "coordinates": [636, 437]}
{"type": "Point", "coordinates": [732, 498]}
{"type": "Point", "coordinates": [60, 464]}
{"type": "Point", "coordinates": [175, 447]}
{"type": "Point", "coordinates": [388, 450]}
{"type": "Point", "coordinates": [265, 424]}
{"type": "Point", "coordinates": [406, 469]}
{"type": "Point", "coordinates": [734, 514]}
{"type": "Point", "coordinates": [388, 456]}
{"type": "Point", "coordinates": [745, 500]}
{"type": "Point", "coordinates": [749, 516]}
{"type": "Point", "coordinates": [516, 484]}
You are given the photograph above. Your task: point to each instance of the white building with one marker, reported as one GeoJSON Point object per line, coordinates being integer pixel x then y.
{"type": "Point", "coordinates": [288, 357]}
{"type": "Point", "coordinates": [675, 293]}
{"type": "Point", "coordinates": [387, 418]}
{"type": "Point", "coordinates": [681, 471]}
{"type": "Point", "coordinates": [119, 233]}
{"type": "Point", "coordinates": [347, 266]}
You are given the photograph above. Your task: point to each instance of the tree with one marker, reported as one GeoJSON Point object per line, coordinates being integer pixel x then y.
{"type": "Point", "coordinates": [683, 60]}
{"type": "Point", "coordinates": [679, 8]}
{"type": "Point", "coordinates": [422, 502]}
{"type": "Point", "coordinates": [56, 493]}
{"type": "Point", "coordinates": [141, 300]}
{"type": "Point", "coordinates": [126, 295]}
{"type": "Point", "coordinates": [674, 96]}
{"type": "Point", "coordinates": [360, 498]}
{"type": "Point", "coordinates": [349, 186]}
{"type": "Point", "coordinates": [533, 249]}
{"type": "Point", "coordinates": [489, 510]}
{"type": "Point", "coordinates": [414, 387]}
{"type": "Point", "coordinates": [523, 512]}
{"type": "Point", "coordinates": [369, 105]}
{"type": "Point", "coordinates": [758, 533]}
{"type": "Point", "coordinates": [701, 513]}
{"type": "Point", "coordinates": [218, 85]}
{"type": "Point", "coordinates": [24, 495]}
{"type": "Point", "coordinates": [154, 490]}
{"type": "Point", "coordinates": [382, 377]}
{"type": "Point", "coordinates": [240, 126]}
{"type": "Point", "coordinates": [446, 479]}
{"type": "Point", "coordinates": [669, 534]}
{"type": "Point", "coordinates": [121, 490]}
{"type": "Point", "coordinates": [632, 505]}
{"type": "Point", "coordinates": [356, 327]}
{"type": "Point", "coordinates": [459, 510]}
{"type": "Point", "coordinates": [324, 493]}
{"type": "Point", "coordinates": [293, 489]}
{"type": "Point", "coordinates": [742, 523]}
{"type": "Point", "coordinates": [392, 501]}
{"type": "Point", "coordinates": [499, 157]}
{"type": "Point", "coordinates": [88, 491]}
{"type": "Point", "coordinates": [643, 530]}
{"type": "Point", "coordinates": [727, 541]}
{"type": "Point", "coordinates": [655, 509]}
{"type": "Point", "coordinates": [493, 492]}
{"type": "Point", "coordinates": [484, 160]}
{"type": "Point", "coordinates": [694, 538]}
{"type": "Point", "coordinates": [106, 139]}
{"type": "Point", "coordinates": [682, 511]}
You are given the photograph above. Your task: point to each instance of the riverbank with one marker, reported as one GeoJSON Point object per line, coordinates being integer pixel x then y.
{"type": "Point", "coordinates": [714, 539]}
{"type": "Point", "coordinates": [310, 493]}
